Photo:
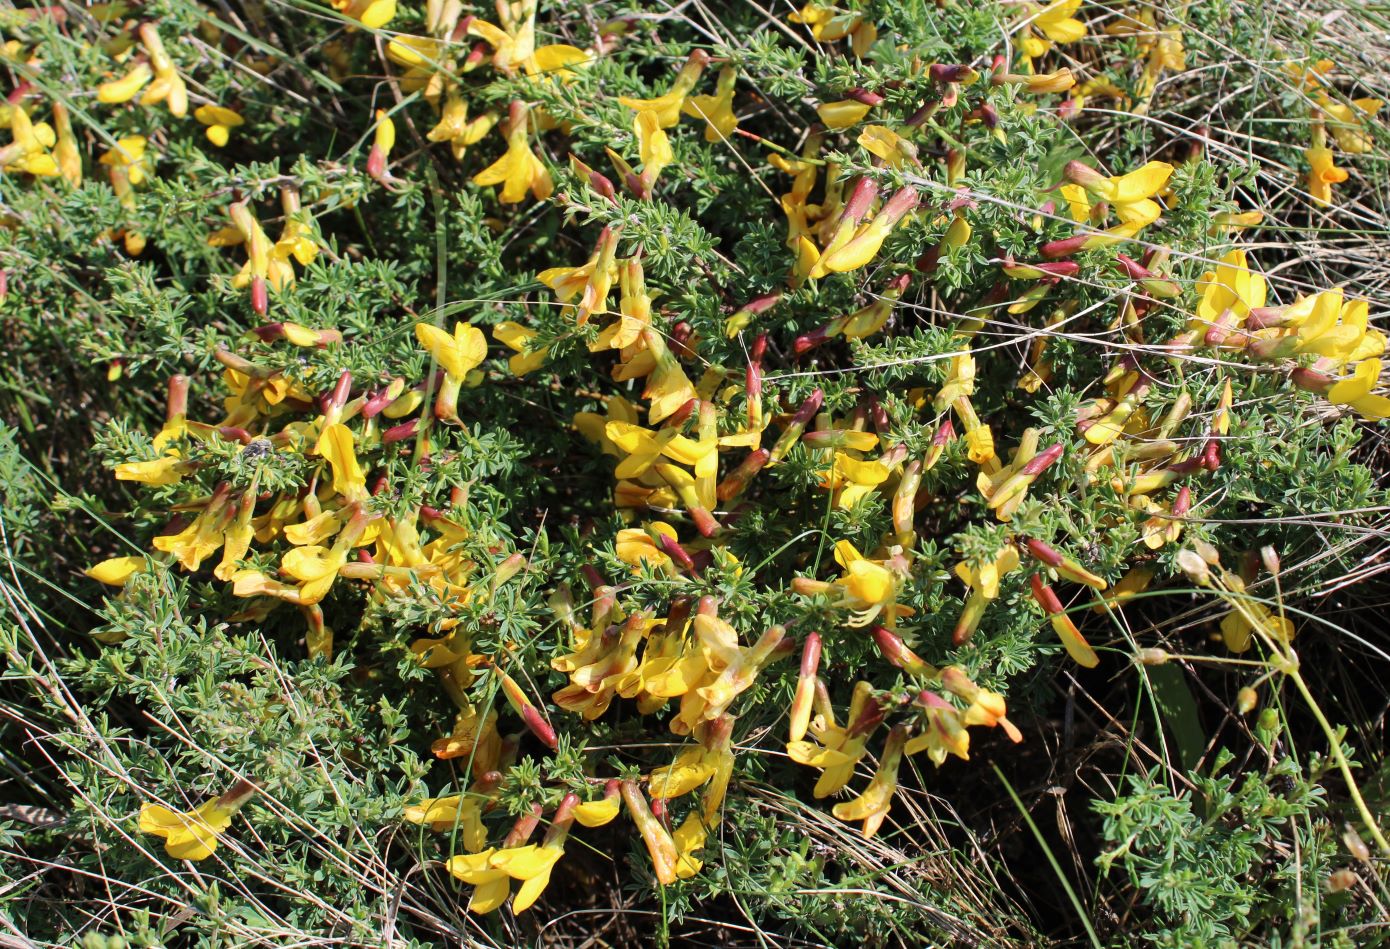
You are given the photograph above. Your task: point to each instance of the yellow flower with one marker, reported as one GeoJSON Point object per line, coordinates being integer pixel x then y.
{"type": "Point", "coordinates": [1356, 391]}
{"type": "Point", "coordinates": [373, 14]}
{"type": "Point", "coordinates": [518, 338]}
{"type": "Point", "coordinates": [158, 472]}
{"type": "Point", "coordinates": [590, 282]}
{"type": "Point", "coordinates": [668, 387]}
{"type": "Point", "coordinates": [65, 147]}
{"type": "Point", "coordinates": [660, 846]}
{"type": "Point", "coordinates": [653, 147]}
{"type": "Point", "coordinates": [845, 254]}
{"type": "Point", "coordinates": [888, 145]}
{"type": "Point", "coordinates": [1130, 196]}
{"type": "Point", "coordinates": [1323, 173]}
{"type": "Point", "coordinates": [127, 87]}
{"type": "Point", "coordinates": [1226, 296]}
{"type": "Point", "coordinates": [666, 109]}
{"type": "Point", "coordinates": [532, 864]}
{"type": "Point", "coordinates": [514, 44]}
{"type": "Point", "coordinates": [474, 736]}
{"type": "Point", "coordinates": [128, 155]}
{"type": "Point", "coordinates": [868, 588]}
{"type": "Point", "coordinates": [873, 805]}
{"type": "Point", "coordinates": [458, 354]}
{"type": "Point", "coordinates": [982, 579]}
{"type": "Point", "coordinates": [297, 241]}
{"type": "Point", "coordinates": [168, 85]}
{"type": "Point", "coordinates": [842, 114]}
{"type": "Point", "coordinates": [193, 835]}
{"type": "Point", "coordinates": [689, 838]}
{"type": "Point", "coordinates": [115, 571]}
{"type": "Point", "coordinates": [600, 812]}
{"type": "Point", "coordinates": [636, 547]}
{"type": "Point", "coordinates": [1057, 24]}
{"type": "Point", "coordinates": [852, 479]}
{"type": "Point", "coordinates": [1347, 123]}
{"type": "Point", "coordinates": [837, 747]}
{"type": "Point", "coordinates": [717, 110]}
{"type": "Point", "coordinates": [443, 814]}
{"type": "Point", "coordinates": [335, 446]}
{"type": "Point", "coordinates": [1332, 328]}
{"type": "Point", "coordinates": [491, 885]}
{"type": "Point", "coordinates": [220, 122]}
{"type": "Point", "coordinates": [457, 129]}
{"type": "Point", "coordinates": [203, 536]}
{"type": "Point", "coordinates": [383, 140]}
{"type": "Point", "coordinates": [518, 170]}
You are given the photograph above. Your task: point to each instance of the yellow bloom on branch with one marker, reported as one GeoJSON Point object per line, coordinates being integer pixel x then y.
{"type": "Point", "coordinates": [518, 170]}
{"type": "Point", "coordinates": [193, 835]}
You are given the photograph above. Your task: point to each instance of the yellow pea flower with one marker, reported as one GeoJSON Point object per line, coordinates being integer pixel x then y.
{"type": "Point", "coordinates": [872, 806]}
{"type": "Point", "coordinates": [373, 14]}
{"type": "Point", "coordinates": [519, 339]}
{"type": "Point", "coordinates": [636, 547]}
{"type": "Point", "coordinates": [65, 152]}
{"type": "Point", "coordinates": [653, 147]}
{"type": "Point", "coordinates": [1226, 297]}
{"type": "Point", "coordinates": [219, 121]}
{"type": "Point", "coordinates": [115, 571]}
{"type": "Point", "coordinates": [518, 170]}
{"type": "Point", "coordinates": [1347, 123]}
{"type": "Point", "coordinates": [1323, 173]}
{"type": "Point", "coordinates": [474, 735]}
{"type": "Point", "coordinates": [193, 835]}
{"type": "Point", "coordinates": [156, 473]}
{"type": "Point", "coordinates": [842, 114]}
{"type": "Point", "coordinates": [383, 140]}
{"type": "Point", "coordinates": [851, 479]}
{"type": "Point", "coordinates": [492, 885]}
{"type": "Point", "coordinates": [168, 86]}
{"type": "Point", "coordinates": [860, 247]}
{"type": "Point", "coordinates": [868, 588]}
{"type": "Point", "coordinates": [600, 812]}
{"type": "Point", "coordinates": [127, 87]}
{"type": "Point", "coordinates": [27, 153]}
{"type": "Point", "coordinates": [1129, 195]}
{"type": "Point", "coordinates": [837, 748]}
{"type": "Point", "coordinates": [1056, 22]}
{"type": "Point", "coordinates": [443, 814]}
{"type": "Point", "coordinates": [666, 109]}
{"type": "Point", "coordinates": [458, 354]}
{"type": "Point", "coordinates": [335, 446]}
{"type": "Point", "coordinates": [457, 129]}
{"type": "Point", "coordinates": [1356, 391]}
{"type": "Point", "coordinates": [590, 282]}
{"type": "Point", "coordinates": [689, 838]}
{"type": "Point", "coordinates": [128, 155]}
{"type": "Point", "coordinates": [514, 42]}
{"type": "Point", "coordinates": [717, 110]}
{"type": "Point", "coordinates": [886, 144]}
{"type": "Point", "coordinates": [982, 579]}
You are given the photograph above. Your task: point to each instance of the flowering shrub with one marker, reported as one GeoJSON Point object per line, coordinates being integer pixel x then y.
{"type": "Point", "coordinates": [582, 428]}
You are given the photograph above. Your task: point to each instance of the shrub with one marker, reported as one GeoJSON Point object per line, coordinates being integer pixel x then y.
{"type": "Point", "coordinates": [552, 456]}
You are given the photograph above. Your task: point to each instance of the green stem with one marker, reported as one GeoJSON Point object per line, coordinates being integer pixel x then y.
{"type": "Point", "coordinates": [1342, 764]}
